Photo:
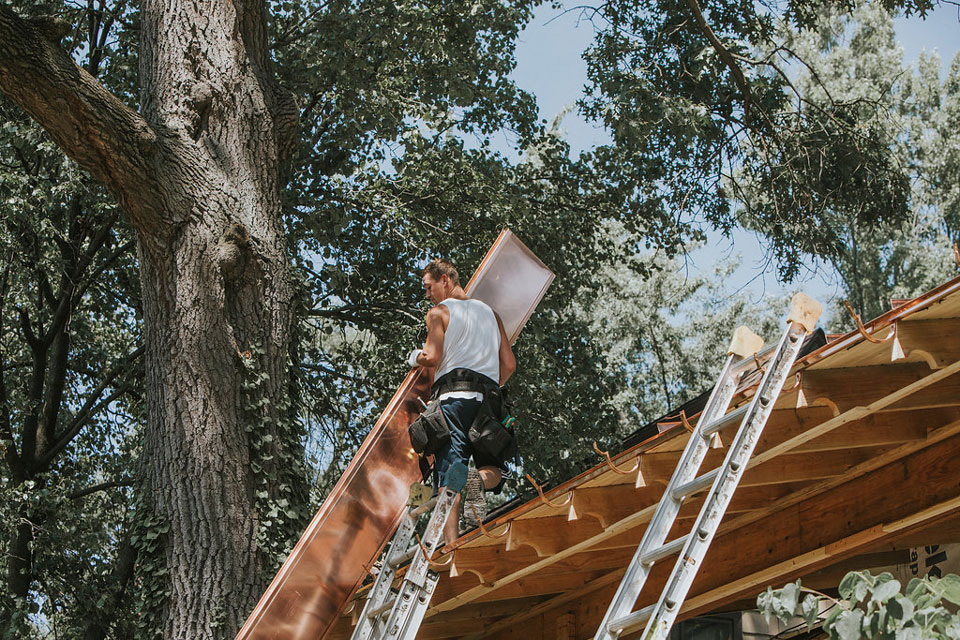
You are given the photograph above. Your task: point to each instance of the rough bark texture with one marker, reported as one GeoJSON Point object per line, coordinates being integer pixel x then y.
{"type": "Point", "coordinates": [198, 175]}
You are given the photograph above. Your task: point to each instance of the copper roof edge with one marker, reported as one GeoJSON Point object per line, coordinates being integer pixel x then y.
{"type": "Point", "coordinates": [889, 318]}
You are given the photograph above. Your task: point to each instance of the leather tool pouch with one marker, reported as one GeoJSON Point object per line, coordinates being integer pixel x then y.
{"type": "Point", "coordinates": [430, 431]}
{"type": "Point", "coordinates": [489, 433]}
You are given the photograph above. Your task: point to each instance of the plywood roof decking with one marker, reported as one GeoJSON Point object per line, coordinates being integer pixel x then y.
{"type": "Point", "coordinates": [857, 459]}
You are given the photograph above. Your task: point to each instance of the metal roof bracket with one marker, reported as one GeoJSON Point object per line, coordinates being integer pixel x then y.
{"type": "Point", "coordinates": [543, 498]}
{"type": "Point", "coordinates": [613, 467]}
{"type": "Point", "coordinates": [430, 561]}
{"type": "Point", "coordinates": [869, 336]}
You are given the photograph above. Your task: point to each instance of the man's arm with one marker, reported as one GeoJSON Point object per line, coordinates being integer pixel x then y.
{"type": "Point", "coordinates": [432, 353]}
{"type": "Point", "coordinates": [508, 364]}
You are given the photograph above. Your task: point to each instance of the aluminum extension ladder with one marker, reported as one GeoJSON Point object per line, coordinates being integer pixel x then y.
{"type": "Point", "coordinates": [395, 616]}
{"type": "Point", "coordinates": [722, 481]}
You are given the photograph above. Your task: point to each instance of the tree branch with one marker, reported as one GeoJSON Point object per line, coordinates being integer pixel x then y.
{"type": "Point", "coordinates": [90, 124]}
{"type": "Point", "coordinates": [725, 56]}
{"type": "Point", "coordinates": [99, 487]}
{"type": "Point", "coordinates": [90, 407]}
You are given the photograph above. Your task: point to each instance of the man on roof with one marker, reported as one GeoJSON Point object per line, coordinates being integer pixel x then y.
{"type": "Point", "coordinates": [468, 346]}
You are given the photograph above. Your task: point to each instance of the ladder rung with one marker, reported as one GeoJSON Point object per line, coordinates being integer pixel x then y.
{"type": "Point", "coordinates": [396, 561]}
{"type": "Point", "coordinates": [422, 509]}
{"type": "Point", "coordinates": [631, 620]}
{"type": "Point", "coordinates": [724, 421]}
{"type": "Point", "coordinates": [386, 606]}
{"type": "Point", "coordinates": [663, 551]}
{"type": "Point", "coordinates": [697, 484]}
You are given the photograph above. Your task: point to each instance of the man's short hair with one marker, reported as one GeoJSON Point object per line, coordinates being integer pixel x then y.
{"type": "Point", "coordinates": [441, 267]}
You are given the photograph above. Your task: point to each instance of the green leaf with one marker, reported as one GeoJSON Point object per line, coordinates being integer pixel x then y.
{"type": "Point", "coordinates": [810, 610]}
{"type": "Point", "coordinates": [765, 604]}
{"type": "Point", "coordinates": [789, 596]}
{"type": "Point", "coordinates": [910, 633]}
{"type": "Point", "coordinates": [905, 607]}
{"type": "Point", "coordinates": [848, 584]}
{"type": "Point", "coordinates": [831, 618]}
{"type": "Point", "coordinates": [847, 625]}
{"type": "Point", "coordinates": [915, 587]}
{"type": "Point", "coordinates": [953, 630]}
{"type": "Point", "coordinates": [949, 586]}
{"type": "Point", "coordinates": [886, 590]}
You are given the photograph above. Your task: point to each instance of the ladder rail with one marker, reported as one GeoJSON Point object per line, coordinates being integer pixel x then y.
{"type": "Point", "coordinates": [419, 581]}
{"type": "Point", "coordinates": [726, 482]}
{"type": "Point", "coordinates": [389, 615]}
{"type": "Point", "coordinates": [380, 592]}
{"type": "Point", "coordinates": [722, 481]}
{"type": "Point", "coordinates": [667, 509]}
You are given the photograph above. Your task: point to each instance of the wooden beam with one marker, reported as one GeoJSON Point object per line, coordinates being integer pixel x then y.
{"type": "Point", "coordinates": [936, 342]}
{"type": "Point", "coordinates": [792, 467]}
{"type": "Point", "coordinates": [873, 430]}
{"type": "Point", "coordinates": [566, 626]}
{"type": "Point", "coordinates": [454, 624]}
{"type": "Point", "coordinates": [489, 562]}
{"type": "Point", "coordinates": [745, 499]}
{"type": "Point", "coordinates": [546, 536]}
{"type": "Point", "coordinates": [858, 386]}
{"type": "Point", "coordinates": [786, 570]}
{"type": "Point", "coordinates": [611, 503]}
{"type": "Point", "coordinates": [888, 502]}
{"type": "Point", "coordinates": [575, 595]}
{"type": "Point", "coordinates": [830, 577]}
{"type": "Point", "coordinates": [856, 414]}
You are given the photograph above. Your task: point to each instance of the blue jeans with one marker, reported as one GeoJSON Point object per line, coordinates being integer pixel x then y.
{"type": "Point", "coordinates": [459, 413]}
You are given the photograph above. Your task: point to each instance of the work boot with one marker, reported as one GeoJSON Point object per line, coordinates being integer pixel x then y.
{"type": "Point", "coordinates": [473, 500]}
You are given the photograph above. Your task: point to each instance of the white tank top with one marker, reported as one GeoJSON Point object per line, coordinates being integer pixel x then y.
{"type": "Point", "coordinates": [471, 341]}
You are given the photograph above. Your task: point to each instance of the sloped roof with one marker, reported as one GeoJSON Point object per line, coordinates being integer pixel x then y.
{"type": "Point", "coordinates": [857, 458]}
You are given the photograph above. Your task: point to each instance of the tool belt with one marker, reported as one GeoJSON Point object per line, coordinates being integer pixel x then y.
{"type": "Point", "coordinates": [491, 432]}
{"type": "Point", "coordinates": [462, 380]}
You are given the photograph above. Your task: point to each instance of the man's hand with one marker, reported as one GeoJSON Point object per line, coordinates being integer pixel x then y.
{"type": "Point", "coordinates": [412, 359]}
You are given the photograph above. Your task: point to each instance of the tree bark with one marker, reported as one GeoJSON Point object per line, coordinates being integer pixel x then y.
{"type": "Point", "coordinates": [198, 176]}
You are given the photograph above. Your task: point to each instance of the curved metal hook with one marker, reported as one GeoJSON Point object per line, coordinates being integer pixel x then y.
{"type": "Point", "coordinates": [613, 467]}
{"type": "Point", "coordinates": [759, 364]}
{"type": "Point", "coordinates": [683, 420]}
{"type": "Point", "coordinates": [543, 498]}
{"type": "Point", "coordinates": [796, 383]}
{"type": "Point", "coordinates": [353, 605]}
{"type": "Point", "coordinates": [486, 531]}
{"type": "Point", "coordinates": [435, 565]}
{"type": "Point", "coordinates": [863, 330]}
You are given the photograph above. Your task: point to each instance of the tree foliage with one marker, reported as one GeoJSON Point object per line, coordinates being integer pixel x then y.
{"type": "Point", "coordinates": [710, 125]}
{"type": "Point", "coordinates": [872, 607]}
{"type": "Point", "coordinates": [856, 56]}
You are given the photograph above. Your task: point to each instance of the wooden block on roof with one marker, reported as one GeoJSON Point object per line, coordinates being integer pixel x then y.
{"type": "Point", "coordinates": [804, 310]}
{"type": "Point", "coordinates": [745, 342]}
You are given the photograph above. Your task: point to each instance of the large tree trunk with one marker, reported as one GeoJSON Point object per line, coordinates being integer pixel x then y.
{"type": "Point", "coordinates": [198, 175]}
{"type": "Point", "coordinates": [217, 300]}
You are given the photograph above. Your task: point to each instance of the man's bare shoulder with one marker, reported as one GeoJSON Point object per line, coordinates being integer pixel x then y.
{"type": "Point", "coordinates": [439, 312]}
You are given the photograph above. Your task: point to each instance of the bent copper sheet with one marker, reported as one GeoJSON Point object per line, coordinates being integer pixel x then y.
{"type": "Point", "coordinates": [358, 518]}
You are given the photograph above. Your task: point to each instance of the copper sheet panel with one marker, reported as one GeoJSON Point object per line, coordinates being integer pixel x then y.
{"type": "Point", "coordinates": [360, 515]}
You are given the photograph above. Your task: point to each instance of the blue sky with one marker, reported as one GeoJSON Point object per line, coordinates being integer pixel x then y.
{"type": "Point", "coordinates": [550, 66]}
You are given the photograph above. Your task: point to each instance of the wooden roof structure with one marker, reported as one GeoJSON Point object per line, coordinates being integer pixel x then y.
{"type": "Point", "coordinates": [858, 461]}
